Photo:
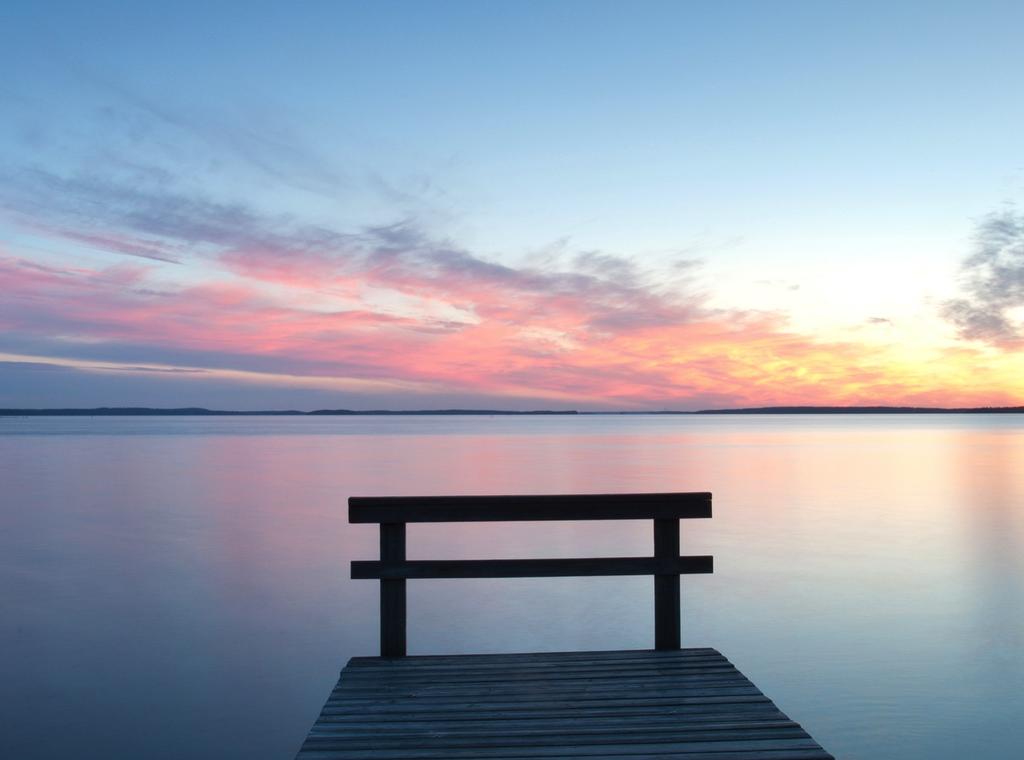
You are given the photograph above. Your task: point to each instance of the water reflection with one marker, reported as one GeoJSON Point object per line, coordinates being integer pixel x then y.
{"type": "Point", "coordinates": [190, 576]}
{"type": "Point", "coordinates": [992, 668]}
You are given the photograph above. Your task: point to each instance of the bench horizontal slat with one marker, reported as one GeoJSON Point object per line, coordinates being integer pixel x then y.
{"type": "Point", "coordinates": [531, 568]}
{"type": "Point", "coordinates": [636, 506]}
{"type": "Point", "coordinates": [555, 659]}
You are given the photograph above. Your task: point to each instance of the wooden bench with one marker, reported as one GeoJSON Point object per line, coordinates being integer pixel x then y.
{"type": "Point", "coordinates": [661, 703]}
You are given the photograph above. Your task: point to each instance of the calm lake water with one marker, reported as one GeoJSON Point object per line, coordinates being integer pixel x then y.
{"type": "Point", "coordinates": [178, 587]}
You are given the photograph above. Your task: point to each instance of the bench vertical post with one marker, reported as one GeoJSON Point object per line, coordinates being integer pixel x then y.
{"type": "Point", "coordinates": [392, 592]}
{"type": "Point", "coordinates": [666, 587]}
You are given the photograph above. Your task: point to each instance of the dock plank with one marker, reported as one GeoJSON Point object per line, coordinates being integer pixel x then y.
{"type": "Point", "coordinates": [689, 703]}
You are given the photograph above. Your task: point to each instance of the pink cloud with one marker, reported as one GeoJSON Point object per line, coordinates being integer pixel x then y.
{"type": "Point", "coordinates": [590, 327]}
{"type": "Point", "coordinates": [741, 359]}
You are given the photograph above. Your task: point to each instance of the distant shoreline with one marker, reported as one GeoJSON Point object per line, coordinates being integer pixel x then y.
{"type": "Point", "coordinates": [109, 411]}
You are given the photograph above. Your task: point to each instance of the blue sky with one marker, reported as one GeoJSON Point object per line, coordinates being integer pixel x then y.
{"type": "Point", "coordinates": [825, 163]}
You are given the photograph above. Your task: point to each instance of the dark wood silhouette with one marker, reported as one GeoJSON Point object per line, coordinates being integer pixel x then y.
{"type": "Point", "coordinates": [667, 702]}
{"type": "Point", "coordinates": [665, 509]}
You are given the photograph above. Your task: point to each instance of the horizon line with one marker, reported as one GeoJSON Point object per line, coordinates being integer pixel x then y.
{"type": "Point", "coordinates": [142, 411]}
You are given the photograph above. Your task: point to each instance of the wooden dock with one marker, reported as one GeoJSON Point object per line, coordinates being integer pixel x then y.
{"type": "Point", "coordinates": [660, 703]}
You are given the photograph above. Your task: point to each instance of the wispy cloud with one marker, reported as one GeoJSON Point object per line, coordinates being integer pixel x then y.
{"type": "Point", "coordinates": [712, 358]}
{"type": "Point", "coordinates": [992, 282]}
{"type": "Point", "coordinates": [592, 289]}
{"type": "Point", "coordinates": [396, 303]}
{"type": "Point", "coordinates": [216, 284]}
{"type": "Point", "coordinates": [261, 142]}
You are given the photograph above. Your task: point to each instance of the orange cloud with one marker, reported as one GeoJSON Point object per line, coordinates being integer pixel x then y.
{"type": "Point", "coordinates": [395, 304]}
{"type": "Point", "coordinates": [524, 339]}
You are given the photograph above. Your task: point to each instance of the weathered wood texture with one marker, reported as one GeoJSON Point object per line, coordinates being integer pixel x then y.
{"type": "Point", "coordinates": [689, 703]}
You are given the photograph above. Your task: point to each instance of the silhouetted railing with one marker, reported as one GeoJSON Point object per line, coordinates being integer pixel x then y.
{"type": "Point", "coordinates": [665, 509]}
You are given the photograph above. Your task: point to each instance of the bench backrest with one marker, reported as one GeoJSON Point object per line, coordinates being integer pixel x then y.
{"type": "Point", "coordinates": [393, 569]}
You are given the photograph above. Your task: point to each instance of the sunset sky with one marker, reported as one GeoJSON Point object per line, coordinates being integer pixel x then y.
{"type": "Point", "coordinates": [519, 205]}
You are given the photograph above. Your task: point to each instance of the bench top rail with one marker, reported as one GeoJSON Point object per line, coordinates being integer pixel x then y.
{"type": "Point", "coordinates": [625, 506]}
